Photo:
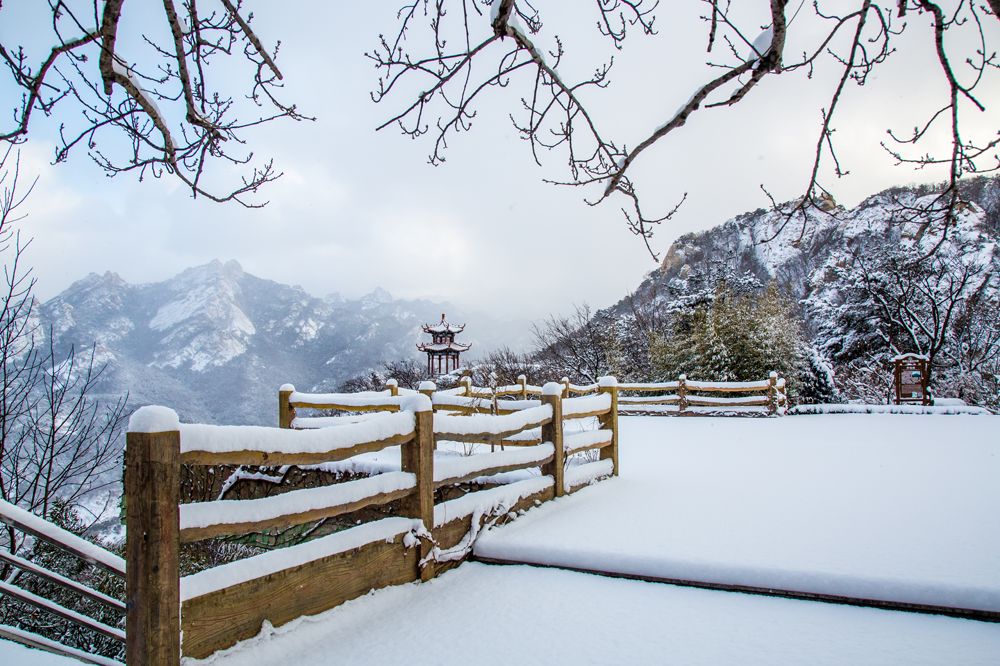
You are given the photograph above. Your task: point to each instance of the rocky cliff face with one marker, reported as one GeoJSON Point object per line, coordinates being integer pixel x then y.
{"type": "Point", "coordinates": [760, 246]}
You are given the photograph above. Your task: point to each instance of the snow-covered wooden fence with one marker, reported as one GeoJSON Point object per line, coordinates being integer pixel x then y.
{"type": "Point", "coordinates": [28, 523]}
{"type": "Point", "coordinates": [685, 396]}
{"type": "Point", "coordinates": [215, 608]}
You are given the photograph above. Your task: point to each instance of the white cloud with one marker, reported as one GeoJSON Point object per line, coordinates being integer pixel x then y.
{"type": "Point", "coordinates": [357, 209]}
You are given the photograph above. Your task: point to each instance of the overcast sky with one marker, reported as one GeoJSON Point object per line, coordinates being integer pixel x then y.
{"type": "Point", "coordinates": [358, 209]}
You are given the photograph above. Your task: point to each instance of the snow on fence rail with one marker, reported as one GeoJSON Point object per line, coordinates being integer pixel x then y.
{"type": "Point", "coordinates": [683, 396]}
{"type": "Point", "coordinates": [28, 523]}
{"type": "Point", "coordinates": [215, 608]}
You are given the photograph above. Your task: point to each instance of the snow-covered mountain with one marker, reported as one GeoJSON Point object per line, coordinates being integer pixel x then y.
{"type": "Point", "coordinates": [760, 244]}
{"type": "Point", "coordinates": [872, 281]}
{"type": "Point", "coordinates": [215, 342]}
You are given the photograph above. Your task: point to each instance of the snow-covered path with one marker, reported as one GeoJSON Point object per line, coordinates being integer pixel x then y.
{"type": "Point", "coordinates": [900, 508]}
{"type": "Point", "coordinates": [502, 615]}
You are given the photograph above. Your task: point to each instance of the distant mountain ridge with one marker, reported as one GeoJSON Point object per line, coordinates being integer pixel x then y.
{"type": "Point", "coordinates": [215, 342]}
{"type": "Point", "coordinates": [857, 283]}
{"type": "Point", "coordinates": [755, 243]}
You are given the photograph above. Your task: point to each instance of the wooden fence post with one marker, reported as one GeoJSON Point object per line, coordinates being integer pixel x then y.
{"type": "Point", "coordinates": [152, 542]}
{"type": "Point", "coordinates": [553, 432]}
{"type": "Point", "coordinates": [565, 387]}
{"type": "Point", "coordinates": [682, 402]}
{"type": "Point", "coordinates": [285, 412]}
{"type": "Point", "coordinates": [417, 457]}
{"type": "Point", "coordinates": [393, 386]}
{"type": "Point", "coordinates": [523, 381]}
{"type": "Point", "coordinates": [772, 393]}
{"type": "Point", "coordinates": [609, 421]}
{"type": "Point", "coordinates": [428, 388]}
{"type": "Point", "coordinates": [466, 382]}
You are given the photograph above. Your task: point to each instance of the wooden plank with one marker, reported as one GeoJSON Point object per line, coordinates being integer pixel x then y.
{"type": "Point", "coordinates": [520, 442]}
{"type": "Point", "coordinates": [648, 400]}
{"type": "Point", "coordinates": [694, 389]}
{"type": "Point", "coordinates": [59, 579]}
{"type": "Point", "coordinates": [590, 447]}
{"type": "Point", "coordinates": [553, 432]}
{"type": "Point", "coordinates": [64, 545]}
{"type": "Point", "coordinates": [280, 458]}
{"type": "Point", "coordinates": [42, 643]}
{"type": "Point", "coordinates": [489, 471]}
{"type": "Point", "coordinates": [220, 619]}
{"type": "Point", "coordinates": [583, 484]}
{"type": "Point", "coordinates": [585, 415]}
{"type": "Point", "coordinates": [463, 409]}
{"type": "Point", "coordinates": [479, 437]}
{"type": "Point", "coordinates": [725, 389]}
{"type": "Point", "coordinates": [693, 401]}
{"type": "Point", "coordinates": [79, 619]}
{"type": "Point", "coordinates": [152, 544]}
{"type": "Point", "coordinates": [229, 529]}
{"type": "Point", "coordinates": [647, 388]}
{"type": "Point", "coordinates": [345, 408]}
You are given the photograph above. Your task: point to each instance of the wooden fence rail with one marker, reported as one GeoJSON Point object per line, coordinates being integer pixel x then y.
{"type": "Point", "coordinates": [28, 523]}
{"type": "Point", "coordinates": [678, 396]}
{"type": "Point", "coordinates": [684, 394]}
{"type": "Point", "coordinates": [215, 608]}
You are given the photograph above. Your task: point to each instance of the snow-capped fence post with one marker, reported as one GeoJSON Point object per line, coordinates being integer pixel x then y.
{"type": "Point", "coordinates": [286, 413]}
{"type": "Point", "coordinates": [152, 544]}
{"type": "Point", "coordinates": [609, 421]}
{"type": "Point", "coordinates": [682, 402]}
{"type": "Point", "coordinates": [553, 432]}
{"type": "Point", "coordinates": [466, 382]}
{"type": "Point", "coordinates": [523, 381]}
{"type": "Point", "coordinates": [772, 393]}
{"type": "Point", "coordinates": [565, 386]}
{"type": "Point", "coordinates": [393, 386]}
{"type": "Point", "coordinates": [428, 388]}
{"type": "Point", "coordinates": [417, 457]}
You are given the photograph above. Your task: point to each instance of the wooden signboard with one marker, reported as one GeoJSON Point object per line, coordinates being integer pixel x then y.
{"type": "Point", "coordinates": [910, 374]}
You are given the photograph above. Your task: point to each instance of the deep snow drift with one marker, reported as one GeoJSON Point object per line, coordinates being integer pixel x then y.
{"type": "Point", "coordinates": [499, 615]}
{"type": "Point", "coordinates": [901, 508]}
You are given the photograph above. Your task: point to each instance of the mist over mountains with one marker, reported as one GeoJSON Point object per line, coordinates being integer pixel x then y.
{"type": "Point", "coordinates": [215, 342]}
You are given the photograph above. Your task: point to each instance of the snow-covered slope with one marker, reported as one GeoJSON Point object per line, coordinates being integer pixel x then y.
{"type": "Point", "coordinates": [761, 244]}
{"type": "Point", "coordinates": [215, 342]}
{"type": "Point", "coordinates": [805, 259]}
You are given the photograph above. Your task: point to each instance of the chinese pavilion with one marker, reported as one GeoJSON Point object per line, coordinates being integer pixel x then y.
{"type": "Point", "coordinates": [442, 352]}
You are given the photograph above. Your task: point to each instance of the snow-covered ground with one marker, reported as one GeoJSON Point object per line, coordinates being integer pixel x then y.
{"type": "Point", "coordinates": [901, 508]}
{"type": "Point", "coordinates": [482, 614]}
{"type": "Point", "coordinates": [905, 508]}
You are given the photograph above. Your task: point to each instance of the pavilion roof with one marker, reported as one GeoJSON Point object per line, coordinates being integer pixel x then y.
{"type": "Point", "coordinates": [443, 327]}
{"type": "Point", "coordinates": [440, 347]}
